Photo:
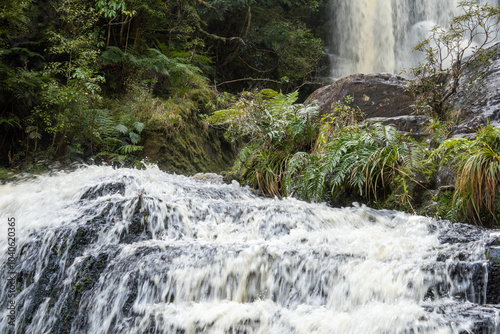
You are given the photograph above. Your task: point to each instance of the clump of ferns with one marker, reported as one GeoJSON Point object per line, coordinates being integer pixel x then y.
{"type": "Point", "coordinates": [365, 162]}
{"type": "Point", "coordinates": [477, 180]}
{"type": "Point", "coordinates": [273, 128]}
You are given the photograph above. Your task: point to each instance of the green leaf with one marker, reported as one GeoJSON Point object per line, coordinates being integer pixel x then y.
{"type": "Point", "coordinates": [121, 129]}
{"type": "Point", "coordinates": [138, 126]}
{"type": "Point", "coordinates": [134, 137]}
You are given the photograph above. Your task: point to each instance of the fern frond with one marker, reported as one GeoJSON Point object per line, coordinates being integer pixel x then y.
{"type": "Point", "coordinates": [113, 55]}
{"type": "Point", "coordinates": [139, 126]}
{"type": "Point", "coordinates": [127, 149]}
{"type": "Point", "coordinates": [134, 137]}
{"type": "Point", "coordinates": [121, 129]}
{"type": "Point", "coordinates": [104, 121]}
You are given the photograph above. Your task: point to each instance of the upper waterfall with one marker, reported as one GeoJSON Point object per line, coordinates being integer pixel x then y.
{"type": "Point", "coordinates": [370, 36]}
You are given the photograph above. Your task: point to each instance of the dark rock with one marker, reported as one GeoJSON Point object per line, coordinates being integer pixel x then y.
{"type": "Point", "coordinates": [482, 319]}
{"type": "Point", "coordinates": [376, 95]}
{"type": "Point", "coordinates": [103, 190]}
{"type": "Point", "coordinates": [445, 178]}
{"type": "Point", "coordinates": [493, 255]}
{"type": "Point", "coordinates": [478, 94]}
{"type": "Point", "coordinates": [493, 290]}
{"type": "Point", "coordinates": [410, 124]}
{"type": "Point", "coordinates": [462, 233]}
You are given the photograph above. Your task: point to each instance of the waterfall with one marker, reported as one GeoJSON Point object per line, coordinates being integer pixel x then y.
{"type": "Point", "coordinates": [104, 250]}
{"type": "Point", "coordinates": [371, 36]}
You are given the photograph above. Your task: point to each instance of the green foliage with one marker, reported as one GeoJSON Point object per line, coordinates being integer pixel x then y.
{"type": "Point", "coordinates": [357, 163]}
{"type": "Point", "coordinates": [268, 118]}
{"type": "Point", "coordinates": [347, 163]}
{"type": "Point", "coordinates": [14, 19]}
{"type": "Point", "coordinates": [296, 50]}
{"type": "Point", "coordinates": [477, 164]}
{"type": "Point", "coordinates": [446, 51]}
{"type": "Point", "coordinates": [264, 169]}
{"type": "Point", "coordinates": [342, 115]}
{"type": "Point", "coordinates": [110, 8]}
{"type": "Point", "coordinates": [151, 68]}
{"type": "Point", "coordinates": [271, 43]}
{"type": "Point", "coordinates": [72, 71]}
{"type": "Point", "coordinates": [273, 128]}
{"type": "Point", "coordinates": [153, 60]}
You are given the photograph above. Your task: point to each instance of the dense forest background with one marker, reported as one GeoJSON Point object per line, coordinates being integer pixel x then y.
{"type": "Point", "coordinates": [84, 79]}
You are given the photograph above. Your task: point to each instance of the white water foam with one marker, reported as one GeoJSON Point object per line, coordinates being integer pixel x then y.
{"type": "Point", "coordinates": [215, 258]}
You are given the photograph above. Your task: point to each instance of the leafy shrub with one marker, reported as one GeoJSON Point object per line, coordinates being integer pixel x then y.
{"type": "Point", "coordinates": [359, 163]}
{"type": "Point", "coordinates": [342, 115]}
{"type": "Point", "coordinates": [273, 129]}
{"type": "Point", "coordinates": [446, 55]}
{"type": "Point", "coordinates": [477, 164]}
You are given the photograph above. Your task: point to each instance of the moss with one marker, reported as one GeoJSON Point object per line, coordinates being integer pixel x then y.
{"type": "Point", "coordinates": [193, 149]}
{"type": "Point", "coordinates": [185, 144]}
{"type": "Point", "coordinates": [6, 175]}
{"type": "Point", "coordinates": [439, 204]}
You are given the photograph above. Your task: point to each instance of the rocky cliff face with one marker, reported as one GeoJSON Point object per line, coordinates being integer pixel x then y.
{"type": "Point", "coordinates": [478, 95]}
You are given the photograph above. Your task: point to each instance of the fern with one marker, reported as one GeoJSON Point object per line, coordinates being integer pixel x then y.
{"type": "Point", "coordinates": [113, 55]}
{"type": "Point", "coordinates": [138, 126]}
{"type": "Point", "coordinates": [13, 121]}
{"type": "Point", "coordinates": [274, 129]}
{"type": "Point", "coordinates": [362, 162]}
{"type": "Point", "coordinates": [127, 149]}
{"type": "Point", "coordinates": [157, 62]}
{"type": "Point", "coordinates": [449, 150]}
{"type": "Point", "coordinates": [104, 121]}
{"type": "Point", "coordinates": [121, 129]}
{"type": "Point", "coordinates": [154, 60]}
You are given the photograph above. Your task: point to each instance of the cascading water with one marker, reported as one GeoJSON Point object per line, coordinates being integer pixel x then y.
{"type": "Point", "coordinates": [370, 36]}
{"type": "Point", "coordinates": [103, 250]}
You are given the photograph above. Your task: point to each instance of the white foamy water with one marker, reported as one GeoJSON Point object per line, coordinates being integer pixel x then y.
{"type": "Point", "coordinates": [103, 250]}
{"type": "Point", "coordinates": [371, 36]}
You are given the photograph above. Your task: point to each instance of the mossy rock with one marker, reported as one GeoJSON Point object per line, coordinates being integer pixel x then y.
{"type": "Point", "coordinates": [439, 204]}
{"type": "Point", "coordinates": [193, 149]}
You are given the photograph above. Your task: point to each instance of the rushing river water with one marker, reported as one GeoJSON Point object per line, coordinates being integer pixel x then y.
{"type": "Point", "coordinates": [103, 250]}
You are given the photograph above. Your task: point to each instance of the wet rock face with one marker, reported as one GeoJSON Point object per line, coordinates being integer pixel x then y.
{"type": "Point", "coordinates": [478, 94]}
{"type": "Point", "coordinates": [376, 95]}
{"type": "Point", "coordinates": [493, 255]}
{"type": "Point", "coordinates": [408, 124]}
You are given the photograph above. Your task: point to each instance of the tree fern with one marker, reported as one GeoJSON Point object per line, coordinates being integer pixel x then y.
{"type": "Point", "coordinates": [153, 60]}
{"type": "Point", "coordinates": [113, 55]}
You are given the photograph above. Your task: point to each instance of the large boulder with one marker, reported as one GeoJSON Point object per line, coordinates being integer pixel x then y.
{"type": "Point", "coordinates": [478, 95]}
{"type": "Point", "coordinates": [376, 95]}
{"type": "Point", "coordinates": [411, 125]}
